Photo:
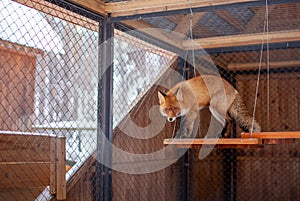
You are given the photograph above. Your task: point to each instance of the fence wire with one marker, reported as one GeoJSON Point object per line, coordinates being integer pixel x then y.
{"type": "Point", "coordinates": [49, 79]}
{"type": "Point", "coordinates": [49, 76]}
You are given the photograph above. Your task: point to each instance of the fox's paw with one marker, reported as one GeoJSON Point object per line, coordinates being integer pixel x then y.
{"type": "Point", "coordinates": [183, 133]}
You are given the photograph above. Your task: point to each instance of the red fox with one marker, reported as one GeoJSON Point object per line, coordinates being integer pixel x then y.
{"type": "Point", "coordinates": [188, 97]}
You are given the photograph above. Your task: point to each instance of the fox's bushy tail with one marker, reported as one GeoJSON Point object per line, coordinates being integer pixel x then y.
{"type": "Point", "coordinates": [238, 111]}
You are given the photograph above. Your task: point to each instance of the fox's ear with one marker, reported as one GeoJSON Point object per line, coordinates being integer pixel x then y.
{"type": "Point", "coordinates": [161, 97]}
{"type": "Point", "coordinates": [178, 94]}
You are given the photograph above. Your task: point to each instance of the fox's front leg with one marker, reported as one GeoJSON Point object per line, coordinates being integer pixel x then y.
{"type": "Point", "coordinates": [188, 124]}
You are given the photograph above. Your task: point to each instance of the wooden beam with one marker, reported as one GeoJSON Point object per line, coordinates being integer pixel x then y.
{"type": "Point", "coordinates": [183, 27]}
{"type": "Point", "coordinates": [257, 20]}
{"type": "Point", "coordinates": [61, 13]}
{"type": "Point", "coordinates": [127, 8]}
{"type": "Point", "coordinates": [96, 6]}
{"type": "Point", "coordinates": [272, 65]}
{"type": "Point", "coordinates": [123, 36]}
{"type": "Point", "coordinates": [52, 154]}
{"type": "Point", "coordinates": [61, 169]}
{"type": "Point", "coordinates": [230, 19]}
{"type": "Point", "coordinates": [272, 135]}
{"type": "Point", "coordinates": [170, 38]}
{"type": "Point", "coordinates": [243, 40]}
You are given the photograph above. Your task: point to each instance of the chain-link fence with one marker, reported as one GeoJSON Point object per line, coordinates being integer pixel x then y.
{"type": "Point", "coordinates": [53, 57]}
{"type": "Point", "coordinates": [49, 79]}
{"type": "Point", "coordinates": [271, 172]}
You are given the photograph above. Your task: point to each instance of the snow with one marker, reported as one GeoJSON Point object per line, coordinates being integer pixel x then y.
{"type": "Point", "coordinates": [26, 26]}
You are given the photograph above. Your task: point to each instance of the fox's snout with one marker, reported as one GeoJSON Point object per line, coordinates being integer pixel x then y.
{"type": "Point", "coordinates": [171, 119]}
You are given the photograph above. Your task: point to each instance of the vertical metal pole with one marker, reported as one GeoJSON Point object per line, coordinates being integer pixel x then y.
{"type": "Point", "coordinates": [234, 157]}
{"type": "Point", "coordinates": [191, 175]}
{"type": "Point", "coordinates": [105, 119]}
{"type": "Point", "coordinates": [183, 177]}
{"type": "Point", "coordinates": [227, 162]}
{"type": "Point", "coordinates": [184, 158]}
{"type": "Point", "coordinates": [227, 172]}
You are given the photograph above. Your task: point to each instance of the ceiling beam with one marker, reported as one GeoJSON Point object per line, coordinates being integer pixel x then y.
{"type": "Point", "coordinates": [230, 19]}
{"type": "Point", "coordinates": [255, 65]}
{"type": "Point", "coordinates": [60, 12]}
{"type": "Point", "coordinates": [96, 6]}
{"type": "Point", "coordinates": [136, 9]}
{"type": "Point", "coordinates": [183, 27]}
{"type": "Point", "coordinates": [167, 37]}
{"type": "Point", "coordinates": [129, 8]}
{"type": "Point", "coordinates": [242, 40]}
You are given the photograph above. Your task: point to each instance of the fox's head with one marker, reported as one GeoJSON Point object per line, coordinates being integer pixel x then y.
{"type": "Point", "coordinates": [170, 104]}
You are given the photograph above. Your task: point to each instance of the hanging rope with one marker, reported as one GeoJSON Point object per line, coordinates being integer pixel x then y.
{"type": "Point", "coordinates": [265, 31]}
{"type": "Point", "coordinates": [191, 35]}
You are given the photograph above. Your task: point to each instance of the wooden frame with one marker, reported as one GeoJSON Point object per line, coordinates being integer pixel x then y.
{"type": "Point", "coordinates": [131, 8]}
{"type": "Point", "coordinates": [64, 14]}
{"type": "Point", "coordinates": [243, 40]}
{"type": "Point", "coordinates": [272, 65]}
{"type": "Point", "coordinates": [127, 8]}
{"type": "Point", "coordinates": [31, 160]}
{"type": "Point", "coordinates": [93, 5]}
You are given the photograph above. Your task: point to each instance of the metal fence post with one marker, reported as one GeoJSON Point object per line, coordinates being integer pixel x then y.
{"type": "Point", "coordinates": [105, 119]}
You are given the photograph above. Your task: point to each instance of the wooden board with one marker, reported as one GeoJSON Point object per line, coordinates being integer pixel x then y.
{"type": "Point", "coordinates": [32, 160]}
{"type": "Point", "coordinates": [218, 143]}
{"type": "Point", "coordinates": [272, 135]}
{"type": "Point", "coordinates": [127, 8]}
{"type": "Point", "coordinates": [19, 147]}
{"type": "Point", "coordinates": [283, 137]}
{"type": "Point", "coordinates": [25, 175]}
{"type": "Point", "coordinates": [255, 65]}
{"type": "Point", "coordinates": [242, 40]}
{"type": "Point", "coordinates": [61, 187]}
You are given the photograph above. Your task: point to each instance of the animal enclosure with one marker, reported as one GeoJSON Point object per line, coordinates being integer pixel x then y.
{"type": "Point", "coordinates": [79, 114]}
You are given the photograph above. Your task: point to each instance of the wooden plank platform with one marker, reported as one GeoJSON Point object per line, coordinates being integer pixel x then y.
{"type": "Point", "coordinates": [247, 140]}
{"type": "Point", "coordinates": [218, 143]}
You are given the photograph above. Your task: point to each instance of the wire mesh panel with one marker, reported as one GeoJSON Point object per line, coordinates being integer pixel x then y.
{"type": "Point", "coordinates": [48, 84]}
{"type": "Point", "coordinates": [267, 77]}
{"type": "Point", "coordinates": [51, 102]}
{"type": "Point", "coordinates": [138, 67]}
{"type": "Point", "coordinates": [269, 172]}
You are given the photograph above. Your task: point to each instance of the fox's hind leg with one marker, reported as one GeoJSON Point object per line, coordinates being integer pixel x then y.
{"type": "Point", "coordinates": [238, 111]}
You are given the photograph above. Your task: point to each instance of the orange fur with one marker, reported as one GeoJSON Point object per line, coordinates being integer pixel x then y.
{"type": "Point", "coordinates": [188, 97]}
